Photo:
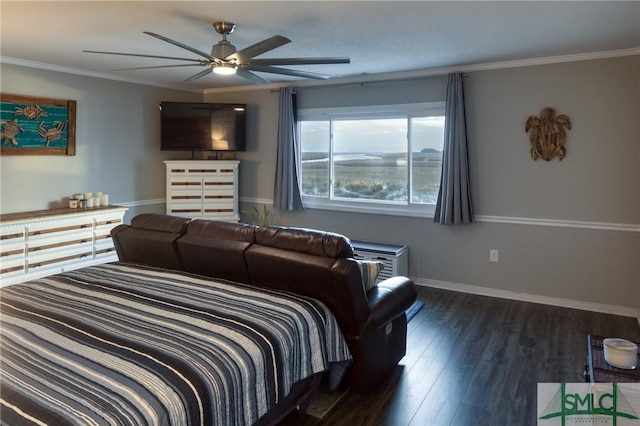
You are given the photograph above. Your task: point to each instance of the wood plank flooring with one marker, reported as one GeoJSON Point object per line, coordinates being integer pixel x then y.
{"type": "Point", "coordinates": [476, 360]}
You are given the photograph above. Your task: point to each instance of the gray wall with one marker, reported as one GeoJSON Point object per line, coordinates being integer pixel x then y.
{"type": "Point", "coordinates": [599, 180]}
{"type": "Point", "coordinates": [543, 217]}
{"type": "Point", "coordinates": [117, 143]}
{"type": "Point", "coordinates": [598, 183]}
{"type": "Point", "coordinates": [257, 166]}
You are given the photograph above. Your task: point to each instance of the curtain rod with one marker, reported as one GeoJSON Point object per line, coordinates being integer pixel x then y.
{"type": "Point", "coordinates": [366, 83]}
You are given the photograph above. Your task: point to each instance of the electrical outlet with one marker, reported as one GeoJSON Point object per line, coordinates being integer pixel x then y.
{"type": "Point", "coordinates": [493, 255]}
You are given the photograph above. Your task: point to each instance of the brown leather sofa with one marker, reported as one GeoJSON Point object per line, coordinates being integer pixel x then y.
{"type": "Point", "coordinates": [309, 262]}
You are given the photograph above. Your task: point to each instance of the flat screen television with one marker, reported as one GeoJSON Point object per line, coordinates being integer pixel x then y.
{"type": "Point", "coordinates": [197, 126]}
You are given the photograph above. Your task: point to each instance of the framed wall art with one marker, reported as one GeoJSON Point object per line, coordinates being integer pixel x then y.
{"type": "Point", "coordinates": [31, 125]}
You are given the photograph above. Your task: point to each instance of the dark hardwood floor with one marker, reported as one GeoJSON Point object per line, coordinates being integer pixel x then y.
{"type": "Point", "coordinates": [476, 360]}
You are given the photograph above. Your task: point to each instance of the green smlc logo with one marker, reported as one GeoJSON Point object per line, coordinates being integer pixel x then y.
{"type": "Point", "coordinates": [612, 404]}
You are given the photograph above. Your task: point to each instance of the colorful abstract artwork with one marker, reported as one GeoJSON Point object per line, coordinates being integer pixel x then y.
{"type": "Point", "coordinates": [37, 126]}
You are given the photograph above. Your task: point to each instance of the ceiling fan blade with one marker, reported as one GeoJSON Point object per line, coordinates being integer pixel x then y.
{"type": "Point", "coordinates": [184, 46]}
{"type": "Point", "coordinates": [141, 55]}
{"type": "Point", "coordinates": [301, 61]}
{"type": "Point", "coordinates": [244, 55]}
{"type": "Point", "coordinates": [157, 66]}
{"type": "Point", "coordinates": [251, 76]}
{"type": "Point", "coordinates": [209, 70]}
{"type": "Point", "coordinates": [284, 71]}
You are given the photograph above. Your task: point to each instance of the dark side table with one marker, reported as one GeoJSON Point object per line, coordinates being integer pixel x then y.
{"type": "Point", "coordinates": [597, 370]}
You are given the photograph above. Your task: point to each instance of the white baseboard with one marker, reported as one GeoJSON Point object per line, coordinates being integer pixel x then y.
{"type": "Point", "coordinates": [525, 297]}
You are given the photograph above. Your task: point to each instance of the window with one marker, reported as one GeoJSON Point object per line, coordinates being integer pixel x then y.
{"type": "Point", "coordinates": [382, 159]}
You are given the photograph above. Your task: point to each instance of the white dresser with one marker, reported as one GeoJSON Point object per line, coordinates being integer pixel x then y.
{"type": "Point", "coordinates": [205, 189]}
{"type": "Point", "coordinates": [45, 242]}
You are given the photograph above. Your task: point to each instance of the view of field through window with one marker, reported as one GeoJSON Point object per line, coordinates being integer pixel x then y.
{"type": "Point", "coordinates": [371, 159]}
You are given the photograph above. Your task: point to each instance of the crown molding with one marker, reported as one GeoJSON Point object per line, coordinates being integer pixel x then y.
{"type": "Point", "coordinates": [360, 78]}
{"type": "Point", "coordinates": [554, 59]}
{"type": "Point", "coordinates": [93, 74]}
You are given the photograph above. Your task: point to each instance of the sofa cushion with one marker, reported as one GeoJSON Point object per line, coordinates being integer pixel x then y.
{"type": "Point", "coordinates": [369, 269]}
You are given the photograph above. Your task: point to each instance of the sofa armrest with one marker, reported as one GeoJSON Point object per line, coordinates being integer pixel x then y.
{"type": "Point", "coordinates": [389, 299]}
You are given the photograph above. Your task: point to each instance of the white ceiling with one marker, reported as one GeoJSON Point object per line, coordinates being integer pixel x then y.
{"type": "Point", "coordinates": [399, 37]}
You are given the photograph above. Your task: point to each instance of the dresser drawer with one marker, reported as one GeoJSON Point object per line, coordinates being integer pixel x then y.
{"type": "Point", "coordinates": [54, 258]}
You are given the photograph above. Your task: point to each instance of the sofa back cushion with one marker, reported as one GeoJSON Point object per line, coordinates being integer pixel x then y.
{"type": "Point", "coordinates": [151, 240]}
{"type": "Point", "coordinates": [216, 249]}
{"type": "Point", "coordinates": [310, 241]}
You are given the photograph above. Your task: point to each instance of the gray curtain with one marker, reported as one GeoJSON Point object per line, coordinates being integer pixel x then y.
{"type": "Point", "coordinates": [454, 199]}
{"type": "Point", "coordinates": [286, 193]}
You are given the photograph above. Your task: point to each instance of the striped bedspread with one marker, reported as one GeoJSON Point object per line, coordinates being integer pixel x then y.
{"type": "Point", "coordinates": [119, 344]}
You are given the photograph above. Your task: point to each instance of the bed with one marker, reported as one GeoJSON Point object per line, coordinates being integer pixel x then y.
{"type": "Point", "coordinates": [133, 344]}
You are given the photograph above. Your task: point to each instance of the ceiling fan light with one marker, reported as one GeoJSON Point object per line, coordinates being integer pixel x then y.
{"type": "Point", "coordinates": [225, 69]}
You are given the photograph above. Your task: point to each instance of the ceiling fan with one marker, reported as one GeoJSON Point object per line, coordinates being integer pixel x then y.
{"type": "Point", "coordinates": [224, 59]}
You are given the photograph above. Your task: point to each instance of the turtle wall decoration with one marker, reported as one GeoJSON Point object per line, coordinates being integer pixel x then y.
{"type": "Point", "coordinates": [548, 135]}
